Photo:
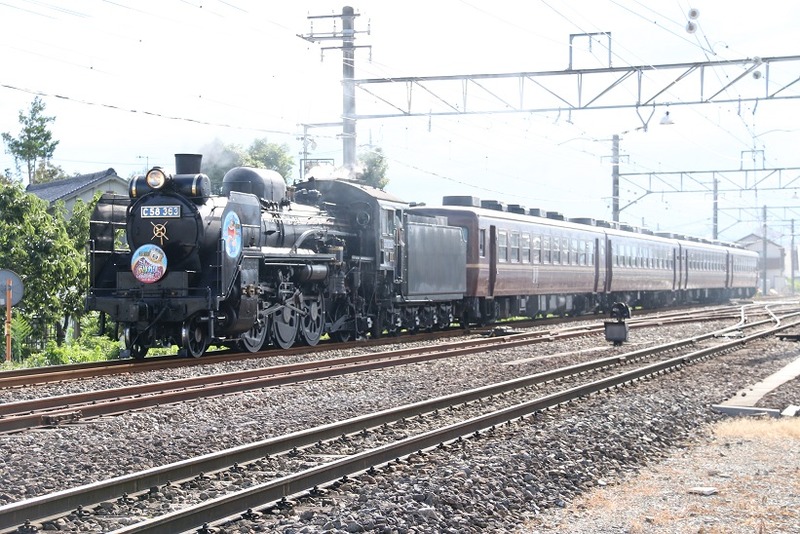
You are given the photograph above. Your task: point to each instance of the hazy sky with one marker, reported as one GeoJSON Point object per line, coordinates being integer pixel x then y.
{"type": "Point", "coordinates": [132, 83]}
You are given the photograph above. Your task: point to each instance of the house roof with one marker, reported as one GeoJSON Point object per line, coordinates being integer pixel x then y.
{"type": "Point", "coordinates": [62, 189]}
{"type": "Point", "coordinates": [756, 239]}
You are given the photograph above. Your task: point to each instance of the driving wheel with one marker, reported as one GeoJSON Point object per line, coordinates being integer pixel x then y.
{"type": "Point", "coordinates": [253, 340]}
{"type": "Point", "coordinates": [312, 323]}
{"type": "Point", "coordinates": [284, 327]}
{"type": "Point", "coordinates": [342, 311]}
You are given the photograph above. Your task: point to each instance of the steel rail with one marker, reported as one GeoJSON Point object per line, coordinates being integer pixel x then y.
{"type": "Point", "coordinates": [256, 496]}
{"type": "Point", "coordinates": [61, 502]}
{"type": "Point", "coordinates": [58, 373]}
{"type": "Point", "coordinates": [52, 410]}
{"type": "Point", "coordinates": [48, 411]}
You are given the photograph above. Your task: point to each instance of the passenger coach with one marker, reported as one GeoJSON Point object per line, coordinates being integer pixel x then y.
{"type": "Point", "coordinates": [528, 262]}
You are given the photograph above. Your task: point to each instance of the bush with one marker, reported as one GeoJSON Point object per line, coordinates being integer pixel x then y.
{"type": "Point", "coordinates": [89, 347]}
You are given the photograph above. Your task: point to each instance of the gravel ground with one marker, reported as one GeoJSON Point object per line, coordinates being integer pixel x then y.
{"type": "Point", "coordinates": [741, 476]}
{"type": "Point", "coordinates": [512, 480]}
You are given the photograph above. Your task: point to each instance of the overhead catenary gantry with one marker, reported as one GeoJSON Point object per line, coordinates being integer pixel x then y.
{"type": "Point", "coordinates": [639, 87]}
{"type": "Point", "coordinates": [718, 82]}
{"type": "Point", "coordinates": [736, 81]}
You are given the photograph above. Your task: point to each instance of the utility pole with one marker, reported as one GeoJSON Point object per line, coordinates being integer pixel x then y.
{"type": "Point", "coordinates": [715, 212]}
{"type": "Point", "coordinates": [792, 265]}
{"type": "Point", "coordinates": [347, 36]}
{"type": "Point", "coordinates": [615, 178]}
{"type": "Point", "coordinates": [764, 254]}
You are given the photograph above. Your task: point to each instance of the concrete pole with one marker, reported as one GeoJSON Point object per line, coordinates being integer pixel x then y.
{"type": "Point", "coordinates": [792, 265]}
{"type": "Point", "coordinates": [764, 254]}
{"type": "Point", "coordinates": [615, 178]}
{"type": "Point", "coordinates": [715, 214]}
{"type": "Point", "coordinates": [349, 97]}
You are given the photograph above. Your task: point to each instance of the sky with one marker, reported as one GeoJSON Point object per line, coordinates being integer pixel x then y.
{"type": "Point", "coordinates": [132, 83]}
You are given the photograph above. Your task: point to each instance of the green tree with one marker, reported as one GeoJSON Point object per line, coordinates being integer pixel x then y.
{"type": "Point", "coordinates": [46, 173]}
{"type": "Point", "coordinates": [265, 155]}
{"type": "Point", "coordinates": [375, 168]}
{"type": "Point", "coordinates": [38, 247]}
{"type": "Point", "coordinates": [77, 228]}
{"type": "Point", "coordinates": [35, 142]}
{"type": "Point", "coordinates": [5, 177]}
{"type": "Point", "coordinates": [219, 158]}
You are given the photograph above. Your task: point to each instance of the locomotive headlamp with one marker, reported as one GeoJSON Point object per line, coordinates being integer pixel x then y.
{"type": "Point", "coordinates": [156, 178]}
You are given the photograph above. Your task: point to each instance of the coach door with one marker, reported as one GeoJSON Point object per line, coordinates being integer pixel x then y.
{"type": "Point", "coordinates": [492, 259]}
{"type": "Point", "coordinates": [728, 270]}
{"type": "Point", "coordinates": [675, 268]}
{"type": "Point", "coordinates": [683, 267]}
{"type": "Point", "coordinates": [608, 263]}
{"type": "Point", "coordinates": [599, 259]}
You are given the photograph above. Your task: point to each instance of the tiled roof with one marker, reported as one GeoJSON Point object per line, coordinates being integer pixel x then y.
{"type": "Point", "coordinates": [60, 189]}
{"type": "Point", "coordinates": [756, 239]}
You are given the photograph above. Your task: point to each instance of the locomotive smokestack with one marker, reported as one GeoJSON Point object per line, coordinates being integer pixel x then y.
{"type": "Point", "coordinates": [188, 163]}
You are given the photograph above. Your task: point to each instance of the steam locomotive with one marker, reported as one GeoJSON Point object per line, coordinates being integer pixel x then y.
{"type": "Point", "coordinates": [265, 265]}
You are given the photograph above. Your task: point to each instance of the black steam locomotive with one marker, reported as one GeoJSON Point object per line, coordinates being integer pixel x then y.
{"type": "Point", "coordinates": [174, 265]}
{"type": "Point", "coordinates": [263, 264]}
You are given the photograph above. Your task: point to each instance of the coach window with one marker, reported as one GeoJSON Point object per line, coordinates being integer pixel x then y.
{"type": "Point", "coordinates": [525, 243]}
{"type": "Point", "coordinates": [582, 248]}
{"type": "Point", "coordinates": [502, 245]}
{"type": "Point", "coordinates": [546, 252]}
{"type": "Point", "coordinates": [514, 244]}
{"type": "Point", "coordinates": [387, 222]}
{"type": "Point", "coordinates": [537, 249]}
{"type": "Point", "coordinates": [573, 252]}
{"type": "Point", "coordinates": [482, 243]}
{"type": "Point", "coordinates": [555, 258]}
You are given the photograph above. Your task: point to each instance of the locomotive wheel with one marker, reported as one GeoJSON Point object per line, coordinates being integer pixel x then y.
{"type": "Point", "coordinates": [411, 320]}
{"type": "Point", "coordinates": [194, 337]}
{"type": "Point", "coordinates": [137, 350]}
{"type": "Point", "coordinates": [444, 318]}
{"type": "Point", "coordinates": [396, 325]}
{"type": "Point", "coordinates": [312, 323]}
{"type": "Point", "coordinates": [284, 327]}
{"type": "Point", "coordinates": [253, 340]}
{"type": "Point", "coordinates": [342, 309]}
{"type": "Point", "coordinates": [390, 322]}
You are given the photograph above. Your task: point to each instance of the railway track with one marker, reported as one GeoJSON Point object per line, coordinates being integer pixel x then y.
{"type": "Point", "coordinates": [60, 373]}
{"type": "Point", "coordinates": [368, 458]}
{"type": "Point", "coordinates": [50, 411]}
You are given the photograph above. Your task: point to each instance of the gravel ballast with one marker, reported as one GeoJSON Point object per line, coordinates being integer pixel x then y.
{"type": "Point", "coordinates": [494, 483]}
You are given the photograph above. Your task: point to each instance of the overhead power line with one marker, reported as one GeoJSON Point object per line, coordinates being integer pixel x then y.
{"type": "Point", "coordinates": [144, 112]}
